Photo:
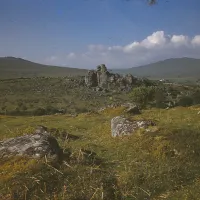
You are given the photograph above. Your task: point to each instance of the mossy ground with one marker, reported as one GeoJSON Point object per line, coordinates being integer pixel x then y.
{"type": "Point", "coordinates": [162, 164]}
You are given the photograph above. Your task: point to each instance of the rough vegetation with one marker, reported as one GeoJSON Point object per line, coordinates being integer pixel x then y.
{"type": "Point", "coordinates": [160, 164]}
{"type": "Point", "coordinates": [158, 157]}
{"type": "Point", "coordinates": [46, 96]}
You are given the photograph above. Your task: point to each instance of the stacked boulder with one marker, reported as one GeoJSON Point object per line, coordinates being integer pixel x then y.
{"type": "Point", "coordinates": [102, 78]}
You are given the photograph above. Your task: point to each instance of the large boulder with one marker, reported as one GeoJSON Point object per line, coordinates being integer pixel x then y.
{"type": "Point", "coordinates": [121, 126]}
{"type": "Point", "coordinates": [102, 76]}
{"type": "Point", "coordinates": [36, 145]}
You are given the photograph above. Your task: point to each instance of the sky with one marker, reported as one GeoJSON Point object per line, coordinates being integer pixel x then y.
{"type": "Point", "coordinates": [86, 33]}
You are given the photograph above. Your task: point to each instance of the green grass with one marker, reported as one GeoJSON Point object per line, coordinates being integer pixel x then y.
{"type": "Point", "coordinates": [50, 95]}
{"type": "Point", "coordinates": [160, 165]}
{"type": "Point", "coordinates": [25, 96]}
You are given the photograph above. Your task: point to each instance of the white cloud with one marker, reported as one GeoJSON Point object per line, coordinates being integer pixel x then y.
{"type": "Point", "coordinates": [179, 40]}
{"type": "Point", "coordinates": [157, 38]}
{"type": "Point", "coordinates": [155, 47]}
{"type": "Point", "coordinates": [71, 55]}
{"type": "Point", "coordinates": [196, 40]}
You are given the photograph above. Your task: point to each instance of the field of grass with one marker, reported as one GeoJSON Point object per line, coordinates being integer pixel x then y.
{"type": "Point", "coordinates": [51, 95]}
{"type": "Point", "coordinates": [163, 164]}
{"type": "Point", "coordinates": [35, 96]}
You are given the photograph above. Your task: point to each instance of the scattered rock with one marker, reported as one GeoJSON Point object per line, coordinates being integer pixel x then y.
{"type": "Point", "coordinates": [108, 106]}
{"type": "Point", "coordinates": [105, 90]}
{"type": "Point", "coordinates": [74, 115]}
{"type": "Point", "coordinates": [97, 89]}
{"type": "Point", "coordinates": [36, 145]}
{"type": "Point", "coordinates": [129, 79]}
{"type": "Point", "coordinates": [132, 109]}
{"type": "Point", "coordinates": [121, 126]}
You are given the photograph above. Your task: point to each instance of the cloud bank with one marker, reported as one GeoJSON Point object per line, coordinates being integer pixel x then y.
{"type": "Point", "coordinates": [155, 47]}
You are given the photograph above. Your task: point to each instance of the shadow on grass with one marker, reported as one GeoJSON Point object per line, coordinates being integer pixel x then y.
{"type": "Point", "coordinates": [85, 176]}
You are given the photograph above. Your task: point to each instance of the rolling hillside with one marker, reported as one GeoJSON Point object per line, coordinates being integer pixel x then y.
{"type": "Point", "coordinates": [11, 67]}
{"type": "Point", "coordinates": [181, 68]}
{"type": "Point", "coordinates": [176, 68]}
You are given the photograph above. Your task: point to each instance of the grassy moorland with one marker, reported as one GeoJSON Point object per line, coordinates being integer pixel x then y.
{"type": "Point", "coordinates": [177, 69]}
{"type": "Point", "coordinates": [163, 164]}
{"type": "Point", "coordinates": [50, 95]}
{"type": "Point", "coordinates": [43, 95]}
{"type": "Point", "coordinates": [11, 67]}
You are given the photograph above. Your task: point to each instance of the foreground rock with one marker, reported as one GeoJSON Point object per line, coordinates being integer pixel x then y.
{"type": "Point", "coordinates": [121, 126]}
{"type": "Point", "coordinates": [36, 145]}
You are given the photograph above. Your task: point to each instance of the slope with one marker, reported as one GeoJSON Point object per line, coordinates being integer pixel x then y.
{"type": "Point", "coordinates": [11, 67]}
{"type": "Point", "coordinates": [170, 68]}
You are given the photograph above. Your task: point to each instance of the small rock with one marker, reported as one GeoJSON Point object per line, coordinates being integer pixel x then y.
{"type": "Point", "coordinates": [133, 109]}
{"type": "Point", "coordinates": [97, 89]}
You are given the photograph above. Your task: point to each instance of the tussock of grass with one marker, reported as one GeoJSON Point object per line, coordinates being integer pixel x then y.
{"type": "Point", "coordinates": [162, 164]}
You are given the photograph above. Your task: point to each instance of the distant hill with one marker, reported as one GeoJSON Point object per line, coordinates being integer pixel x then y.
{"type": "Point", "coordinates": [182, 68]}
{"type": "Point", "coordinates": [11, 67]}
{"type": "Point", "coordinates": [176, 68]}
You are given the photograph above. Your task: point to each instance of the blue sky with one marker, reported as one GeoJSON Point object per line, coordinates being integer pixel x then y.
{"type": "Point", "coordinates": [82, 33]}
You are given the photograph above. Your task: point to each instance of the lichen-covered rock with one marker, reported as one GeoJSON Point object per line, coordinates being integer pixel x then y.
{"type": "Point", "coordinates": [121, 126]}
{"type": "Point", "coordinates": [91, 79]}
{"type": "Point", "coordinates": [36, 145]}
{"type": "Point", "coordinates": [102, 68]}
{"type": "Point", "coordinates": [129, 79]}
{"type": "Point", "coordinates": [104, 79]}
{"type": "Point", "coordinates": [41, 129]}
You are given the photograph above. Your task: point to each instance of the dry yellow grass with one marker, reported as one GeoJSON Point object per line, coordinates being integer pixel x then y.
{"type": "Point", "coordinates": [162, 164]}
